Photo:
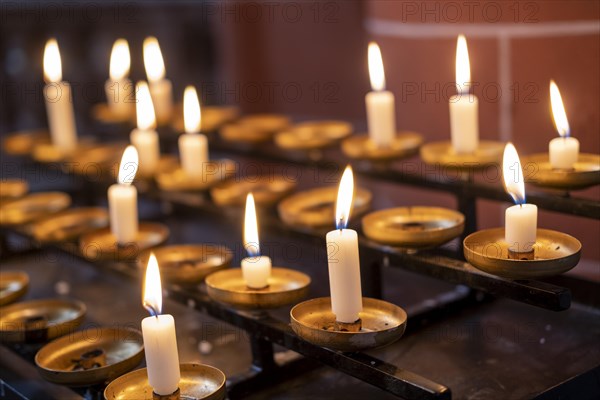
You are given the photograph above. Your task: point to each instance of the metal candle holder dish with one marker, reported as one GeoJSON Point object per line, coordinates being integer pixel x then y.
{"type": "Point", "coordinates": [103, 113]}
{"type": "Point", "coordinates": [187, 264]}
{"type": "Point", "coordinates": [267, 190]}
{"type": "Point", "coordinates": [177, 179]}
{"type": "Point", "coordinates": [96, 160]}
{"type": "Point", "coordinates": [361, 147]}
{"type": "Point", "coordinates": [166, 163]}
{"type": "Point", "coordinates": [413, 227]}
{"type": "Point", "coordinates": [38, 321]}
{"type": "Point", "coordinates": [92, 356]}
{"type": "Point", "coordinates": [442, 153]}
{"type": "Point", "coordinates": [286, 286]}
{"type": "Point", "coordinates": [11, 189]}
{"type": "Point", "coordinates": [254, 128]}
{"type": "Point", "coordinates": [212, 117]}
{"type": "Point", "coordinates": [32, 207]}
{"type": "Point", "coordinates": [198, 382]}
{"type": "Point", "coordinates": [585, 172]}
{"type": "Point", "coordinates": [554, 253]}
{"type": "Point", "coordinates": [315, 208]}
{"type": "Point", "coordinates": [312, 135]}
{"type": "Point", "coordinates": [13, 285]}
{"type": "Point", "coordinates": [49, 153]}
{"type": "Point", "coordinates": [22, 143]}
{"type": "Point", "coordinates": [69, 225]}
{"type": "Point", "coordinates": [382, 323]}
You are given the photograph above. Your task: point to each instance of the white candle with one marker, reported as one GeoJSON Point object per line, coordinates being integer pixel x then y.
{"type": "Point", "coordinates": [464, 107]}
{"type": "Point", "coordinates": [119, 89]}
{"type": "Point", "coordinates": [380, 103]}
{"type": "Point", "coordinates": [564, 150]}
{"type": "Point", "coordinates": [160, 87]}
{"type": "Point", "coordinates": [256, 268]}
{"type": "Point", "coordinates": [122, 200]}
{"type": "Point", "coordinates": [145, 138]}
{"type": "Point", "coordinates": [160, 341]}
{"type": "Point", "coordinates": [343, 259]}
{"type": "Point", "coordinates": [193, 146]}
{"type": "Point", "coordinates": [59, 105]}
{"type": "Point", "coordinates": [520, 222]}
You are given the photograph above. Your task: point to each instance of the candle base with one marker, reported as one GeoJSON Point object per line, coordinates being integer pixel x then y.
{"type": "Point", "coordinates": [527, 255]}
{"type": "Point", "coordinates": [361, 147]}
{"type": "Point", "coordinates": [313, 135]}
{"type": "Point", "coordinates": [585, 173]}
{"type": "Point", "coordinates": [176, 395]}
{"type": "Point", "coordinates": [443, 154]}
{"type": "Point", "coordinates": [355, 326]}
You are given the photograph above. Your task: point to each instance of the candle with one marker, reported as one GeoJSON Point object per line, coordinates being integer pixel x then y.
{"type": "Point", "coordinates": [59, 106]}
{"type": "Point", "coordinates": [145, 138]}
{"type": "Point", "coordinates": [464, 107]}
{"type": "Point", "coordinates": [160, 88]}
{"type": "Point", "coordinates": [520, 220]}
{"type": "Point", "coordinates": [193, 146]}
{"type": "Point", "coordinates": [256, 268]}
{"type": "Point", "coordinates": [380, 102]}
{"type": "Point", "coordinates": [119, 89]}
{"type": "Point", "coordinates": [122, 199]}
{"type": "Point", "coordinates": [342, 255]}
{"type": "Point", "coordinates": [158, 331]}
{"type": "Point", "coordinates": [564, 150]}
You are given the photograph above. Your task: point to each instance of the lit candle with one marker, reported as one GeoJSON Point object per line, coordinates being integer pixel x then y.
{"type": "Point", "coordinates": [160, 87]}
{"type": "Point", "coordinates": [256, 268]}
{"type": "Point", "coordinates": [160, 342]}
{"type": "Point", "coordinates": [193, 146]}
{"type": "Point", "coordinates": [380, 102]}
{"type": "Point", "coordinates": [342, 255]}
{"type": "Point", "coordinates": [122, 199]}
{"type": "Point", "coordinates": [59, 105]}
{"type": "Point", "coordinates": [119, 89]}
{"type": "Point", "coordinates": [521, 219]}
{"type": "Point", "coordinates": [564, 150]}
{"type": "Point", "coordinates": [145, 137]}
{"type": "Point", "coordinates": [464, 107]}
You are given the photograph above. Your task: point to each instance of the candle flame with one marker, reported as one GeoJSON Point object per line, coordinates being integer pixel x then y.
{"type": "Point", "coordinates": [513, 174]}
{"type": "Point", "coordinates": [251, 243]}
{"type": "Point", "coordinates": [463, 66]}
{"type": "Point", "coordinates": [345, 197]}
{"type": "Point", "coordinates": [153, 60]}
{"type": "Point", "coordinates": [129, 166]}
{"type": "Point", "coordinates": [120, 60]}
{"type": "Point", "coordinates": [191, 110]}
{"type": "Point", "coordinates": [52, 62]}
{"type": "Point", "coordinates": [559, 114]}
{"type": "Point", "coordinates": [376, 71]}
{"type": "Point", "coordinates": [152, 300]}
{"type": "Point", "coordinates": [146, 119]}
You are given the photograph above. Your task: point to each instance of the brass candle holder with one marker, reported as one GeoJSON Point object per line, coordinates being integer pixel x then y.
{"type": "Point", "coordinates": [187, 264]}
{"type": "Point", "coordinates": [198, 382]}
{"type": "Point", "coordinates": [254, 128]}
{"type": "Point", "coordinates": [267, 190]}
{"type": "Point", "coordinates": [585, 173]}
{"type": "Point", "coordinates": [315, 208]}
{"type": "Point", "coordinates": [382, 323]}
{"type": "Point", "coordinates": [38, 321]}
{"type": "Point", "coordinates": [361, 147]}
{"type": "Point", "coordinates": [313, 135]}
{"type": "Point", "coordinates": [92, 356]}
{"type": "Point", "coordinates": [32, 207]}
{"type": "Point", "coordinates": [49, 153]}
{"type": "Point", "coordinates": [13, 286]}
{"type": "Point", "coordinates": [22, 143]}
{"type": "Point", "coordinates": [178, 180]}
{"type": "Point", "coordinates": [553, 253]}
{"type": "Point", "coordinates": [213, 117]}
{"type": "Point", "coordinates": [95, 161]}
{"type": "Point", "coordinates": [101, 244]}
{"type": "Point", "coordinates": [68, 225]}
{"type": "Point", "coordinates": [413, 227]}
{"type": "Point", "coordinates": [11, 189]}
{"type": "Point", "coordinates": [286, 286]}
{"type": "Point", "coordinates": [487, 153]}
{"type": "Point", "coordinates": [166, 163]}
{"type": "Point", "coordinates": [104, 114]}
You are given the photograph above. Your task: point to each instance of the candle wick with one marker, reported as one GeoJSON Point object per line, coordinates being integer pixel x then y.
{"type": "Point", "coordinates": [151, 309]}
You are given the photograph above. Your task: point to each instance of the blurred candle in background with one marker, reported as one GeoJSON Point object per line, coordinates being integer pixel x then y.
{"type": "Point", "coordinates": [145, 137]}
{"type": "Point", "coordinates": [564, 150]}
{"type": "Point", "coordinates": [119, 89]}
{"type": "Point", "coordinates": [160, 87]}
{"type": "Point", "coordinates": [381, 113]}
{"type": "Point", "coordinates": [193, 146]}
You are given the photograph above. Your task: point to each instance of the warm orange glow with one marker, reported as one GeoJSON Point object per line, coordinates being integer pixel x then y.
{"type": "Point", "coordinates": [146, 119]}
{"type": "Point", "coordinates": [463, 66]}
{"type": "Point", "coordinates": [152, 300]}
{"type": "Point", "coordinates": [128, 167]}
{"type": "Point", "coordinates": [558, 111]}
{"type": "Point", "coordinates": [514, 183]}
{"type": "Point", "coordinates": [376, 72]}
{"type": "Point", "coordinates": [52, 62]}
{"type": "Point", "coordinates": [251, 243]}
{"type": "Point", "coordinates": [345, 197]}
{"type": "Point", "coordinates": [153, 60]}
{"type": "Point", "coordinates": [120, 60]}
{"type": "Point", "coordinates": [191, 110]}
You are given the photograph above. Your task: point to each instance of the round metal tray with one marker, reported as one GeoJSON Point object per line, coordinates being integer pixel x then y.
{"type": "Point", "coordinates": [442, 153]}
{"type": "Point", "coordinates": [11, 189]}
{"type": "Point", "coordinates": [313, 135]}
{"type": "Point", "coordinates": [13, 285]}
{"type": "Point", "coordinates": [32, 207]}
{"type": "Point", "coordinates": [267, 190]}
{"type": "Point", "coordinates": [69, 225]}
{"type": "Point", "coordinates": [22, 143]}
{"type": "Point", "coordinates": [585, 172]}
{"type": "Point", "coordinates": [404, 145]}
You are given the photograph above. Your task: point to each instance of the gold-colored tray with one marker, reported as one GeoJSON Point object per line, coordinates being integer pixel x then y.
{"type": "Point", "coordinates": [539, 172]}
{"type": "Point", "coordinates": [313, 135]}
{"type": "Point", "coordinates": [382, 324]}
{"type": "Point", "coordinates": [69, 225]}
{"type": "Point", "coordinates": [13, 285]}
{"type": "Point", "coordinates": [166, 163]}
{"type": "Point", "coordinates": [213, 117]}
{"type": "Point", "coordinates": [32, 207]}
{"type": "Point", "coordinates": [442, 153]}
{"type": "Point", "coordinates": [254, 128]}
{"type": "Point", "coordinates": [102, 113]}
{"type": "Point", "coordinates": [49, 153]}
{"type": "Point", "coordinates": [413, 227]}
{"type": "Point", "coordinates": [92, 356]}
{"type": "Point", "coordinates": [361, 147]}
{"type": "Point", "coordinates": [315, 208]}
{"type": "Point", "coordinates": [37, 321]}
{"type": "Point", "coordinates": [177, 180]}
{"type": "Point", "coordinates": [267, 190]}
{"type": "Point", "coordinates": [555, 253]}
{"type": "Point", "coordinates": [11, 189]}
{"type": "Point", "coordinates": [22, 143]}
{"type": "Point", "coordinates": [286, 286]}
{"type": "Point", "coordinates": [187, 264]}
{"type": "Point", "coordinates": [95, 161]}
{"type": "Point", "coordinates": [102, 245]}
